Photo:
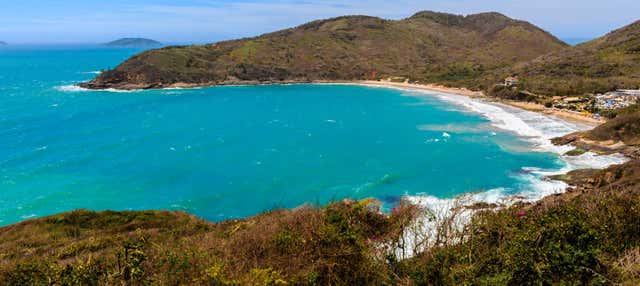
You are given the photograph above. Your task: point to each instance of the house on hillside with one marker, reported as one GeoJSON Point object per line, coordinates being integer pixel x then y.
{"type": "Point", "coordinates": [574, 99]}
{"type": "Point", "coordinates": [511, 81]}
{"type": "Point", "coordinates": [399, 79]}
{"type": "Point", "coordinates": [630, 93]}
{"type": "Point", "coordinates": [618, 99]}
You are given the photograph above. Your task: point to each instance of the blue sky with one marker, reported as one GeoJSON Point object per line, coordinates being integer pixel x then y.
{"type": "Point", "coordinates": [185, 21]}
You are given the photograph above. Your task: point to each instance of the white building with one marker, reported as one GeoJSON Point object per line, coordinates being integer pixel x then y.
{"type": "Point", "coordinates": [618, 99]}
{"type": "Point", "coordinates": [511, 81]}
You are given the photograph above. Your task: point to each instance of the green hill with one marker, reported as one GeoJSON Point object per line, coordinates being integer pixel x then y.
{"type": "Point", "coordinates": [429, 46]}
{"type": "Point", "coordinates": [133, 42]}
{"type": "Point", "coordinates": [604, 64]}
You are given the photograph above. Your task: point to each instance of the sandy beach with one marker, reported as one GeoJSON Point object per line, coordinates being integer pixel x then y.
{"type": "Point", "coordinates": [432, 87]}
{"type": "Point", "coordinates": [530, 106]}
{"type": "Point", "coordinates": [564, 114]}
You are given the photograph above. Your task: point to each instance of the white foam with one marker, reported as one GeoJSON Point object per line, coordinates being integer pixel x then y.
{"type": "Point", "coordinates": [594, 161]}
{"type": "Point", "coordinates": [536, 129]}
{"type": "Point", "coordinates": [70, 88]}
{"type": "Point", "coordinates": [93, 72]}
{"type": "Point", "coordinates": [455, 128]}
{"type": "Point", "coordinates": [440, 224]}
{"type": "Point", "coordinates": [76, 88]}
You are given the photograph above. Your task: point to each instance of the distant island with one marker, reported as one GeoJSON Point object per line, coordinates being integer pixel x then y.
{"type": "Point", "coordinates": [3, 43]}
{"type": "Point", "coordinates": [133, 42]}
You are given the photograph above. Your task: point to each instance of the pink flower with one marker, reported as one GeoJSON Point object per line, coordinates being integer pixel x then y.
{"type": "Point", "coordinates": [521, 213]}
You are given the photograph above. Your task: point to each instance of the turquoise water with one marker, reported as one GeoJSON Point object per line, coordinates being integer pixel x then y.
{"type": "Point", "coordinates": [228, 152]}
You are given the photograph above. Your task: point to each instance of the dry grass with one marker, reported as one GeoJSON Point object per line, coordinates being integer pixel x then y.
{"type": "Point", "coordinates": [333, 245]}
{"type": "Point", "coordinates": [629, 266]}
{"type": "Point", "coordinates": [589, 236]}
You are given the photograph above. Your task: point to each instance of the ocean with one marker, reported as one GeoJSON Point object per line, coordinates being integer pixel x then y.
{"type": "Point", "coordinates": [232, 152]}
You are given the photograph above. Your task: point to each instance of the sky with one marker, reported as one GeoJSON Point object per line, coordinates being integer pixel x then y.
{"type": "Point", "coordinates": [201, 21]}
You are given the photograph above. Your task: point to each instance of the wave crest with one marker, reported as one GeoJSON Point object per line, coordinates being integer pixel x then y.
{"type": "Point", "coordinates": [536, 129]}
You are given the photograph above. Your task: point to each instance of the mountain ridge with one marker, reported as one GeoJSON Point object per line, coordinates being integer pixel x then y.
{"type": "Point", "coordinates": [427, 46]}
{"type": "Point", "coordinates": [604, 64]}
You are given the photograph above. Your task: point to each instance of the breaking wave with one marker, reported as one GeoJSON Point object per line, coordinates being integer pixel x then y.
{"type": "Point", "coordinates": [93, 72]}
{"type": "Point", "coordinates": [534, 128]}
{"type": "Point", "coordinates": [76, 88]}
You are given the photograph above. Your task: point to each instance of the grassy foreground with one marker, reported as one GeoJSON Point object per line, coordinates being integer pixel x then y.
{"type": "Point", "coordinates": [588, 236]}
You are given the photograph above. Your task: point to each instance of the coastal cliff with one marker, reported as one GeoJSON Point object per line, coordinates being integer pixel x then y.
{"type": "Point", "coordinates": [429, 46]}
{"type": "Point", "coordinates": [618, 135]}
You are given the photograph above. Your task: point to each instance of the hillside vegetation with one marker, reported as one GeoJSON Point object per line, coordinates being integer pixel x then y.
{"type": "Point", "coordinates": [601, 65]}
{"type": "Point", "coordinates": [429, 46]}
{"type": "Point", "coordinates": [332, 245]}
{"type": "Point", "coordinates": [476, 51]}
{"type": "Point", "coordinates": [624, 127]}
{"type": "Point", "coordinates": [589, 236]}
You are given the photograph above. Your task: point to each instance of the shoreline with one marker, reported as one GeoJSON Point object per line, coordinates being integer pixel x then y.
{"type": "Point", "coordinates": [573, 162]}
{"type": "Point", "coordinates": [461, 208]}
{"type": "Point", "coordinates": [430, 87]}
{"type": "Point", "coordinates": [539, 187]}
{"type": "Point", "coordinates": [529, 106]}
